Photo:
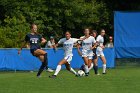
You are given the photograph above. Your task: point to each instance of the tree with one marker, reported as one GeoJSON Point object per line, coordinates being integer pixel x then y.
{"type": "Point", "coordinates": [53, 17]}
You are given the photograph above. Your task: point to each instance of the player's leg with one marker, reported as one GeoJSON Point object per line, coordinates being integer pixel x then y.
{"type": "Point", "coordinates": [39, 52]}
{"type": "Point", "coordinates": [104, 63]}
{"type": "Point", "coordinates": [69, 68]}
{"type": "Point", "coordinates": [90, 63]}
{"type": "Point", "coordinates": [90, 57]}
{"type": "Point", "coordinates": [58, 68]}
{"type": "Point", "coordinates": [42, 55]}
{"type": "Point", "coordinates": [95, 62]}
{"type": "Point", "coordinates": [86, 65]}
{"type": "Point", "coordinates": [43, 65]}
{"type": "Point", "coordinates": [82, 67]}
{"type": "Point", "coordinates": [91, 66]}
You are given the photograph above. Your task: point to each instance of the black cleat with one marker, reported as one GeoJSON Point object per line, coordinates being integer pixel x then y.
{"type": "Point", "coordinates": [77, 75]}
{"type": "Point", "coordinates": [87, 74]}
{"type": "Point", "coordinates": [53, 76]}
{"type": "Point", "coordinates": [104, 73]}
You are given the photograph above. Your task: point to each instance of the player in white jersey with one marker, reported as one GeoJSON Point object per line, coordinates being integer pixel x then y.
{"type": "Point", "coordinates": [87, 53]}
{"type": "Point", "coordinates": [99, 52]}
{"type": "Point", "coordinates": [68, 44]}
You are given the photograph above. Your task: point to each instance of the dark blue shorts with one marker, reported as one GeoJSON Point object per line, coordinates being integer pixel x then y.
{"type": "Point", "coordinates": [32, 51]}
{"type": "Point", "coordinates": [94, 51]}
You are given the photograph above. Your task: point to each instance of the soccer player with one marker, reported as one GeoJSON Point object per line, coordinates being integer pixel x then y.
{"type": "Point", "coordinates": [87, 54]}
{"type": "Point", "coordinates": [99, 52]}
{"type": "Point", "coordinates": [95, 60]}
{"type": "Point", "coordinates": [35, 39]}
{"type": "Point", "coordinates": [68, 44]}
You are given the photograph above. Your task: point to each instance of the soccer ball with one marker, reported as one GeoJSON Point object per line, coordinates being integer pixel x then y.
{"type": "Point", "coordinates": [81, 73]}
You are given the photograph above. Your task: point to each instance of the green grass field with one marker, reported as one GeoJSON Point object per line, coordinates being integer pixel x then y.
{"type": "Point", "coordinates": [118, 80]}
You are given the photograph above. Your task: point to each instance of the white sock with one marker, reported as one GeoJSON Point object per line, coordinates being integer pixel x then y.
{"type": "Point", "coordinates": [86, 69]}
{"type": "Point", "coordinates": [73, 71]}
{"type": "Point", "coordinates": [57, 69]}
{"type": "Point", "coordinates": [104, 68]}
{"type": "Point", "coordinates": [90, 66]}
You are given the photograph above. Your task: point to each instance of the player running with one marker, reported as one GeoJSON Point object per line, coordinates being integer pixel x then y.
{"type": "Point", "coordinates": [68, 44]}
{"type": "Point", "coordinates": [35, 39]}
{"type": "Point", "coordinates": [99, 52]}
{"type": "Point", "coordinates": [87, 53]}
{"type": "Point", "coordinates": [95, 66]}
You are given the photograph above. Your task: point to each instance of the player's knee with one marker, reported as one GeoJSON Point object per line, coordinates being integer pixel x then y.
{"type": "Point", "coordinates": [60, 63]}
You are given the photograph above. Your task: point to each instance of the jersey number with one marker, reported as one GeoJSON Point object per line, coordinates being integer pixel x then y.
{"type": "Point", "coordinates": [34, 41]}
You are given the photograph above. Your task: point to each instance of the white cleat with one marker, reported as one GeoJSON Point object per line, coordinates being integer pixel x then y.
{"type": "Point", "coordinates": [98, 74]}
{"type": "Point", "coordinates": [50, 70]}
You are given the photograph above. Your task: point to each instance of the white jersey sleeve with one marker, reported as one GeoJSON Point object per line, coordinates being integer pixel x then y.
{"type": "Point", "coordinates": [61, 41]}
{"type": "Point", "coordinates": [75, 40]}
{"type": "Point", "coordinates": [98, 38]}
{"type": "Point", "coordinates": [94, 41]}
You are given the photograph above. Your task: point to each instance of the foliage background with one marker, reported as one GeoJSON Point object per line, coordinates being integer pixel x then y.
{"type": "Point", "coordinates": [54, 17]}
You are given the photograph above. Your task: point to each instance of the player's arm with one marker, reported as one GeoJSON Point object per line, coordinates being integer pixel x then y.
{"type": "Point", "coordinates": [78, 49]}
{"type": "Point", "coordinates": [43, 40]}
{"type": "Point", "coordinates": [23, 44]}
{"type": "Point", "coordinates": [75, 40]}
{"type": "Point", "coordinates": [26, 40]}
{"type": "Point", "coordinates": [79, 42]}
{"type": "Point", "coordinates": [57, 44]}
{"type": "Point", "coordinates": [94, 46]}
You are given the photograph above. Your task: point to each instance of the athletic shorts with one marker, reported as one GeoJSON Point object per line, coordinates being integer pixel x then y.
{"type": "Point", "coordinates": [87, 53]}
{"type": "Point", "coordinates": [94, 52]}
{"type": "Point", "coordinates": [99, 51]}
{"type": "Point", "coordinates": [68, 59]}
{"type": "Point", "coordinates": [32, 51]}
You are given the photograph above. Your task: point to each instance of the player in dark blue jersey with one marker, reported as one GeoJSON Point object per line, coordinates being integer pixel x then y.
{"type": "Point", "coordinates": [95, 60]}
{"type": "Point", "coordinates": [35, 39]}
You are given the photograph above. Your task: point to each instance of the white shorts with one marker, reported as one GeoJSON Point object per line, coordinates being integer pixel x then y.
{"type": "Point", "coordinates": [99, 51]}
{"type": "Point", "coordinates": [68, 59]}
{"type": "Point", "coordinates": [87, 53]}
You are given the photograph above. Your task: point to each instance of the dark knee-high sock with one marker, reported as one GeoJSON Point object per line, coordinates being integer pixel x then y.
{"type": "Point", "coordinates": [42, 67]}
{"type": "Point", "coordinates": [46, 60]}
{"type": "Point", "coordinates": [95, 69]}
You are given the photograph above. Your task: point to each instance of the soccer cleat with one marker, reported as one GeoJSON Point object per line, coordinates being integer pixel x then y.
{"type": "Point", "coordinates": [39, 76]}
{"type": "Point", "coordinates": [97, 74]}
{"type": "Point", "coordinates": [49, 70]}
{"type": "Point", "coordinates": [87, 74]}
{"type": "Point", "coordinates": [77, 75]}
{"type": "Point", "coordinates": [53, 76]}
{"type": "Point", "coordinates": [104, 73]}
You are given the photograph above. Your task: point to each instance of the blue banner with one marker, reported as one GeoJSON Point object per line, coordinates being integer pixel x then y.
{"type": "Point", "coordinates": [127, 34]}
{"type": "Point", "coordinates": [10, 60]}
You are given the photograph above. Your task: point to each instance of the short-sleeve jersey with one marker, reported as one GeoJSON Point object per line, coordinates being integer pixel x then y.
{"type": "Point", "coordinates": [100, 40]}
{"type": "Point", "coordinates": [34, 40]}
{"type": "Point", "coordinates": [88, 42]}
{"type": "Point", "coordinates": [68, 45]}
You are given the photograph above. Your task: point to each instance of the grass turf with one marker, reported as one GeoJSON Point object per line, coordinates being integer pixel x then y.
{"type": "Point", "coordinates": [118, 80]}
